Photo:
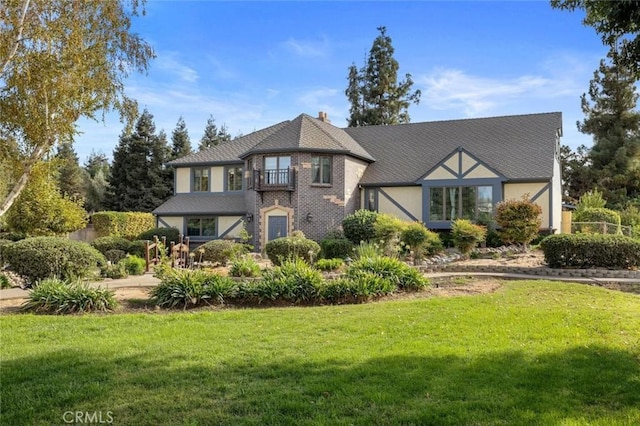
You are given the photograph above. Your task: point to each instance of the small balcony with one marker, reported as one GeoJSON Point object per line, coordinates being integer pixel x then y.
{"type": "Point", "coordinates": [274, 180]}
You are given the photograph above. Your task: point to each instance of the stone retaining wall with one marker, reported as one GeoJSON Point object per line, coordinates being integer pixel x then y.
{"type": "Point", "coordinates": [540, 271]}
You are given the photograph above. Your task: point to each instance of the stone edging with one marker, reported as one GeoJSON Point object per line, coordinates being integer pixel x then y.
{"type": "Point", "coordinates": [539, 271]}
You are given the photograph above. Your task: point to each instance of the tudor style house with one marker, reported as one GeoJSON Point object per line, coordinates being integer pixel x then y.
{"type": "Point", "coordinates": [306, 174]}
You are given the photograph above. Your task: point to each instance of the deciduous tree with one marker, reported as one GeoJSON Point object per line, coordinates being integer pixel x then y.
{"type": "Point", "coordinates": [61, 60]}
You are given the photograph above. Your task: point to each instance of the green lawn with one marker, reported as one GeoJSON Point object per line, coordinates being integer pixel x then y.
{"type": "Point", "coordinates": [535, 352]}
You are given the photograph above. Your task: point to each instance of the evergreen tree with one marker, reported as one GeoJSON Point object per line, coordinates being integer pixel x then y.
{"type": "Point", "coordinates": [138, 181]}
{"type": "Point", "coordinates": [614, 123]}
{"type": "Point", "coordinates": [96, 175]}
{"type": "Point", "coordinates": [70, 179]}
{"type": "Point", "coordinates": [212, 135]}
{"type": "Point", "coordinates": [374, 92]}
{"type": "Point", "coordinates": [577, 174]}
{"type": "Point", "coordinates": [180, 142]}
{"type": "Point", "coordinates": [97, 163]}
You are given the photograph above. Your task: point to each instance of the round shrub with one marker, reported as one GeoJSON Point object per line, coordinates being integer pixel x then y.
{"type": "Point", "coordinates": [114, 271]}
{"type": "Point", "coordinates": [466, 235]}
{"type": "Point", "coordinates": [336, 248]}
{"type": "Point", "coordinates": [115, 255]}
{"type": "Point", "coordinates": [520, 220]}
{"type": "Point", "coordinates": [138, 248]}
{"type": "Point", "coordinates": [134, 265]}
{"type": "Point", "coordinates": [104, 244]}
{"type": "Point", "coordinates": [292, 247]}
{"type": "Point", "coordinates": [60, 297]}
{"type": "Point", "coordinates": [360, 226]}
{"type": "Point", "coordinates": [597, 214]}
{"type": "Point", "coordinates": [47, 257]}
{"type": "Point", "coordinates": [3, 243]}
{"type": "Point", "coordinates": [591, 250]}
{"type": "Point", "coordinates": [219, 251]}
{"type": "Point", "coordinates": [420, 239]}
{"type": "Point", "coordinates": [171, 235]}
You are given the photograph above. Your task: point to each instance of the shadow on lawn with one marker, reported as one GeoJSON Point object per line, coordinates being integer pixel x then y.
{"type": "Point", "coordinates": [588, 384]}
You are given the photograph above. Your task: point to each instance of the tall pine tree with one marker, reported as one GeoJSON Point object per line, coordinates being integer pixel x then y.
{"type": "Point", "coordinates": [212, 135]}
{"type": "Point", "coordinates": [96, 174]}
{"type": "Point", "coordinates": [374, 92]}
{"type": "Point", "coordinates": [614, 123]}
{"type": "Point", "coordinates": [180, 142]}
{"type": "Point", "coordinates": [70, 179]}
{"type": "Point", "coordinates": [138, 179]}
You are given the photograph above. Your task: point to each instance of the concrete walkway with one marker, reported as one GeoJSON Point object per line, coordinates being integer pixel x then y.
{"type": "Point", "coordinates": [133, 281]}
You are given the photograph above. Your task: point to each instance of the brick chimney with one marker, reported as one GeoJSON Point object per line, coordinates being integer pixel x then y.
{"type": "Point", "coordinates": [322, 116]}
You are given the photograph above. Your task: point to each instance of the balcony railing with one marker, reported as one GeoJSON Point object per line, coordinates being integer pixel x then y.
{"type": "Point", "coordinates": [274, 180]}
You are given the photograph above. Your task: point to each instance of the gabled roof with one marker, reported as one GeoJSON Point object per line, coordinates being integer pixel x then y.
{"type": "Point", "coordinates": [305, 133]}
{"type": "Point", "coordinates": [228, 152]}
{"type": "Point", "coordinates": [517, 146]}
{"type": "Point", "coordinates": [202, 203]}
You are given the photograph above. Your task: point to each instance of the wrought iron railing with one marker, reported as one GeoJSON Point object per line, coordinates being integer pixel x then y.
{"type": "Point", "coordinates": [274, 179]}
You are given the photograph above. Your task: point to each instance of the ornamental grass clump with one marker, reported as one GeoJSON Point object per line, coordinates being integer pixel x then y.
{"type": "Point", "coordinates": [180, 288]}
{"type": "Point", "coordinates": [329, 264]}
{"type": "Point", "coordinates": [293, 280]}
{"type": "Point", "coordinates": [401, 275]}
{"type": "Point", "coordinates": [56, 296]}
{"type": "Point", "coordinates": [245, 266]}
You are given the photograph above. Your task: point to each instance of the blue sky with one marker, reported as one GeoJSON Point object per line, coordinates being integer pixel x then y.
{"type": "Point", "coordinates": [253, 64]}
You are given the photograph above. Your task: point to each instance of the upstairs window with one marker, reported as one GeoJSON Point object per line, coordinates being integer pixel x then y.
{"type": "Point", "coordinates": [234, 178]}
{"type": "Point", "coordinates": [321, 170]}
{"type": "Point", "coordinates": [276, 170]}
{"type": "Point", "coordinates": [200, 179]}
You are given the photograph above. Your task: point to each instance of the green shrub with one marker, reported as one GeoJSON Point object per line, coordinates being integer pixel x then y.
{"type": "Point", "coordinates": [354, 289]}
{"type": "Point", "coordinates": [367, 250]}
{"type": "Point", "coordinates": [220, 251]}
{"type": "Point", "coordinates": [12, 236]}
{"type": "Point", "coordinates": [597, 214]}
{"type": "Point", "coordinates": [181, 288]}
{"type": "Point", "coordinates": [218, 288]}
{"type": "Point", "coordinates": [336, 248]}
{"type": "Point", "coordinates": [3, 243]}
{"type": "Point", "coordinates": [48, 257]}
{"type": "Point", "coordinates": [138, 248]}
{"type": "Point", "coordinates": [591, 250]}
{"type": "Point", "coordinates": [114, 271]}
{"type": "Point", "coordinates": [329, 264]}
{"type": "Point", "coordinates": [591, 199]}
{"type": "Point", "coordinates": [105, 244]}
{"type": "Point", "coordinates": [399, 273]}
{"type": "Point", "coordinates": [520, 220]}
{"type": "Point", "coordinates": [134, 265]}
{"type": "Point", "coordinates": [419, 239]}
{"type": "Point", "coordinates": [294, 280]}
{"type": "Point", "coordinates": [630, 216]}
{"type": "Point", "coordinates": [360, 226]}
{"type": "Point", "coordinates": [292, 247]}
{"type": "Point", "coordinates": [244, 267]}
{"type": "Point", "coordinates": [388, 229]}
{"type": "Point", "coordinates": [4, 281]}
{"type": "Point", "coordinates": [170, 234]}
{"type": "Point", "coordinates": [60, 297]}
{"type": "Point", "coordinates": [122, 224]}
{"type": "Point", "coordinates": [115, 255]}
{"type": "Point", "coordinates": [467, 235]}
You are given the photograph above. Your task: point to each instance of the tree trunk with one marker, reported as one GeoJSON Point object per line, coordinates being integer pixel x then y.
{"type": "Point", "coordinates": [25, 7]}
{"type": "Point", "coordinates": [22, 182]}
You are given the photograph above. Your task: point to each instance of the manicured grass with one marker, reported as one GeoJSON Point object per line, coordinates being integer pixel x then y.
{"type": "Point", "coordinates": [532, 353]}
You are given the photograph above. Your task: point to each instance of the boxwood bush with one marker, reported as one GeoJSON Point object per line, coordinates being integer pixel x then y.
{"type": "Point", "coordinates": [287, 248]}
{"type": "Point", "coordinates": [48, 257]}
{"type": "Point", "coordinates": [336, 248]}
{"type": "Point", "coordinates": [219, 251]}
{"type": "Point", "coordinates": [61, 297]}
{"type": "Point", "coordinates": [360, 226]}
{"type": "Point", "coordinates": [591, 250]}
{"type": "Point", "coordinates": [105, 244]}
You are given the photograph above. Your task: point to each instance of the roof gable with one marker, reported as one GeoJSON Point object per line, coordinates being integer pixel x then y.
{"type": "Point", "coordinates": [461, 164]}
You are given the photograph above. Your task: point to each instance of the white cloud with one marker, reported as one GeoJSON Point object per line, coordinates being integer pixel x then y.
{"type": "Point", "coordinates": [322, 99]}
{"type": "Point", "coordinates": [308, 48]}
{"type": "Point", "coordinates": [169, 62]}
{"type": "Point", "coordinates": [475, 95]}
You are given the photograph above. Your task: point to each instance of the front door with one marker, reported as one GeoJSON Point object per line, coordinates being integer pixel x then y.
{"type": "Point", "coordinates": [277, 227]}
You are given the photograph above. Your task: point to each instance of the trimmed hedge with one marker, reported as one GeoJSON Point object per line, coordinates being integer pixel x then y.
{"type": "Point", "coordinates": [122, 224]}
{"type": "Point", "coordinates": [597, 214]}
{"type": "Point", "coordinates": [48, 257]}
{"type": "Point", "coordinates": [332, 248]}
{"type": "Point", "coordinates": [105, 244]}
{"type": "Point", "coordinates": [293, 247]}
{"type": "Point", "coordinates": [591, 250]}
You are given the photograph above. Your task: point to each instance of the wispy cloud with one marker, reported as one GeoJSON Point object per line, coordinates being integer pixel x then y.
{"type": "Point", "coordinates": [308, 48]}
{"type": "Point", "coordinates": [322, 99]}
{"type": "Point", "coordinates": [168, 61]}
{"type": "Point", "coordinates": [475, 95]}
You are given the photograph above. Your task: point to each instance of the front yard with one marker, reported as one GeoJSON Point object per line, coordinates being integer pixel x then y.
{"type": "Point", "coordinates": [531, 352]}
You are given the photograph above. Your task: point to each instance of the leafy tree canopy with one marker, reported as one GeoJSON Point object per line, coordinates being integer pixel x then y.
{"type": "Point", "coordinates": [61, 60]}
